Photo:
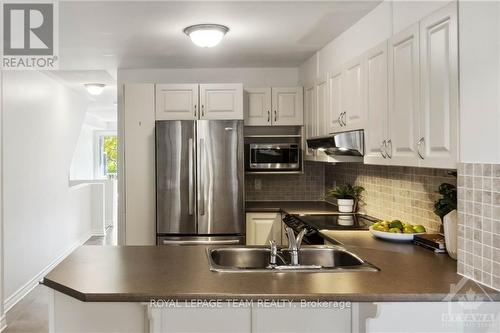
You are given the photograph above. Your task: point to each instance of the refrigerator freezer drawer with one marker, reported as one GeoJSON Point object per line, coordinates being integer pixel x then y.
{"type": "Point", "coordinates": [201, 240]}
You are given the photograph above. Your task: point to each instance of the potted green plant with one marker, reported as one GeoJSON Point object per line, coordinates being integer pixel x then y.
{"type": "Point", "coordinates": [347, 195]}
{"type": "Point", "coordinates": [446, 209]}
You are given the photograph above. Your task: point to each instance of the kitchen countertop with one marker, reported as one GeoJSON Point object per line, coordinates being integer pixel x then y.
{"type": "Point", "coordinates": [142, 273]}
{"type": "Point", "coordinates": [291, 207]}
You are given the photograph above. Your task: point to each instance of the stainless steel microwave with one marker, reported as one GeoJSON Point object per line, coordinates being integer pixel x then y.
{"type": "Point", "coordinates": [276, 156]}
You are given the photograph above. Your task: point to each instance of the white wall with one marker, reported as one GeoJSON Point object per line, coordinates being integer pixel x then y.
{"type": "Point", "coordinates": [378, 25]}
{"type": "Point", "coordinates": [3, 320]}
{"type": "Point", "coordinates": [479, 40]}
{"type": "Point", "coordinates": [250, 77]}
{"type": "Point", "coordinates": [82, 164]}
{"type": "Point", "coordinates": [43, 217]}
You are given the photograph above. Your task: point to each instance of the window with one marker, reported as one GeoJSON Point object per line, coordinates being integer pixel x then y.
{"type": "Point", "coordinates": [107, 159]}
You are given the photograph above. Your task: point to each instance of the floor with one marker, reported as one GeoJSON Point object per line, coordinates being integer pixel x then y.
{"type": "Point", "coordinates": [31, 314]}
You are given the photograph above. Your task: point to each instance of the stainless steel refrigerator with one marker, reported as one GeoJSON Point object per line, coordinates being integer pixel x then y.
{"type": "Point", "coordinates": [199, 182]}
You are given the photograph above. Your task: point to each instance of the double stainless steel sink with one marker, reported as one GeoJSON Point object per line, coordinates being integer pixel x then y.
{"type": "Point", "coordinates": [311, 259]}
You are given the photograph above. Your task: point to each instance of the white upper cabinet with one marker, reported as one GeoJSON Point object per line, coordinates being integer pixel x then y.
{"type": "Point", "coordinates": [176, 101]}
{"type": "Point", "coordinates": [221, 101]}
{"type": "Point", "coordinates": [335, 113]}
{"type": "Point", "coordinates": [438, 141]}
{"type": "Point", "coordinates": [352, 95]}
{"type": "Point", "coordinates": [309, 118]}
{"type": "Point", "coordinates": [321, 103]}
{"type": "Point", "coordinates": [376, 105]}
{"type": "Point", "coordinates": [257, 106]}
{"type": "Point", "coordinates": [403, 97]}
{"type": "Point", "coordinates": [282, 106]}
{"type": "Point", "coordinates": [287, 105]}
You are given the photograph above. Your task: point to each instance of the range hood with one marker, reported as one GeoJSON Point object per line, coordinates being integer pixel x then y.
{"type": "Point", "coordinates": [349, 143]}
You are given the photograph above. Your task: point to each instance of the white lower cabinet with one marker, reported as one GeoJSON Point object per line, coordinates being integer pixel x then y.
{"type": "Point", "coordinates": [263, 227]}
{"type": "Point", "coordinates": [301, 317]}
{"type": "Point", "coordinates": [205, 317]}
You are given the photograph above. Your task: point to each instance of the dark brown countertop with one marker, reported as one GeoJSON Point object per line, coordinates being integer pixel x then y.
{"type": "Point", "coordinates": [291, 207]}
{"type": "Point", "coordinates": [142, 273]}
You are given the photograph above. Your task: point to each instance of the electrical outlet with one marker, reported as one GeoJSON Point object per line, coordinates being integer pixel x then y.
{"type": "Point", "coordinates": [258, 184]}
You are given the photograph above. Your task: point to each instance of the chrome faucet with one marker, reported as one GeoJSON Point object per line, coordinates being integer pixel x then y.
{"type": "Point", "coordinates": [274, 253]}
{"type": "Point", "coordinates": [294, 244]}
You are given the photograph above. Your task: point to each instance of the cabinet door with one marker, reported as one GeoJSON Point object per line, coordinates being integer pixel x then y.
{"type": "Point", "coordinates": [287, 106]}
{"type": "Point", "coordinates": [263, 227]}
{"type": "Point", "coordinates": [309, 119]}
{"type": "Point", "coordinates": [376, 104]}
{"type": "Point", "coordinates": [352, 95]}
{"type": "Point", "coordinates": [176, 101]}
{"type": "Point", "coordinates": [403, 97]}
{"type": "Point", "coordinates": [321, 102]}
{"type": "Point", "coordinates": [221, 101]}
{"type": "Point", "coordinates": [335, 101]}
{"type": "Point", "coordinates": [439, 89]}
{"type": "Point", "coordinates": [258, 107]}
{"type": "Point", "coordinates": [321, 106]}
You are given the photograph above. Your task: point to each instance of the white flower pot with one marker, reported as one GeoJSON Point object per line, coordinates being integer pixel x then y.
{"type": "Point", "coordinates": [450, 225]}
{"type": "Point", "coordinates": [345, 205]}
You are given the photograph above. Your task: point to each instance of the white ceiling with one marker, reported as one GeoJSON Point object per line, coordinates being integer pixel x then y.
{"type": "Point", "coordinates": [140, 34]}
{"type": "Point", "coordinates": [102, 106]}
{"type": "Point", "coordinates": [96, 37]}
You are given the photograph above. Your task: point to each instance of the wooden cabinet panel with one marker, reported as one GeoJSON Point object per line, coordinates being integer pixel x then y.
{"type": "Point", "coordinates": [404, 97]}
{"type": "Point", "coordinates": [257, 106]}
{"type": "Point", "coordinates": [352, 95]}
{"type": "Point", "coordinates": [439, 89]}
{"type": "Point", "coordinates": [376, 105]}
{"type": "Point", "coordinates": [263, 227]}
{"type": "Point", "coordinates": [287, 103]}
{"type": "Point", "coordinates": [221, 101]}
{"type": "Point", "coordinates": [176, 101]}
{"type": "Point", "coordinates": [309, 119]}
{"type": "Point", "coordinates": [335, 101]}
{"type": "Point", "coordinates": [321, 106]}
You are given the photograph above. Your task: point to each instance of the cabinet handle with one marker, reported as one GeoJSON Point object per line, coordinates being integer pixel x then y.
{"type": "Point", "coordinates": [419, 144]}
{"type": "Point", "coordinates": [389, 142]}
{"type": "Point", "coordinates": [203, 110]}
{"type": "Point", "coordinates": [195, 106]}
{"type": "Point", "coordinates": [275, 115]}
{"type": "Point", "coordinates": [343, 118]}
{"type": "Point", "coordinates": [268, 116]}
{"type": "Point", "coordinates": [340, 121]}
{"type": "Point", "coordinates": [382, 149]}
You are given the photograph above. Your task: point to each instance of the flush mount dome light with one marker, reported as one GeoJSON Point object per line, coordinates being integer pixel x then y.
{"type": "Point", "coordinates": [206, 35]}
{"type": "Point", "coordinates": [95, 88]}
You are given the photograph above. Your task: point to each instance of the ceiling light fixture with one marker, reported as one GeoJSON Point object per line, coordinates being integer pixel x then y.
{"type": "Point", "coordinates": [206, 35]}
{"type": "Point", "coordinates": [95, 88]}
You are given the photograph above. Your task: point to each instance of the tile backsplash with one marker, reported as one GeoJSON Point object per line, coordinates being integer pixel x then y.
{"type": "Point", "coordinates": [307, 186]}
{"type": "Point", "coordinates": [403, 193]}
{"type": "Point", "coordinates": [479, 222]}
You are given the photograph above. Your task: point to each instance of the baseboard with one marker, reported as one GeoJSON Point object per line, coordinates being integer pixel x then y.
{"type": "Point", "coordinates": [30, 285]}
{"type": "Point", "coordinates": [3, 323]}
{"type": "Point", "coordinates": [98, 233]}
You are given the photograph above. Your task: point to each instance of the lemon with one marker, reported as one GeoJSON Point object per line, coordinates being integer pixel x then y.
{"type": "Point", "coordinates": [419, 228]}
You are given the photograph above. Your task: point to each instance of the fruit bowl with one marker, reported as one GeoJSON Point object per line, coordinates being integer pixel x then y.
{"type": "Point", "coordinates": [394, 236]}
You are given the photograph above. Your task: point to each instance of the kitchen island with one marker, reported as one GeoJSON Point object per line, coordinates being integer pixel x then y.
{"type": "Point", "coordinates": [134, 280]}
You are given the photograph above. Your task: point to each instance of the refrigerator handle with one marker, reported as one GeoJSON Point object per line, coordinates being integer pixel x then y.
{"type": "Point", "coordinates": [191, 175]}
{"type": "Point", "coordinates": [202, 178]}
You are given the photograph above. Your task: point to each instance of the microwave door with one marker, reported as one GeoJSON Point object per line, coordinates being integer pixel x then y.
{"type": "Point", "coordinates": [175, 177]}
